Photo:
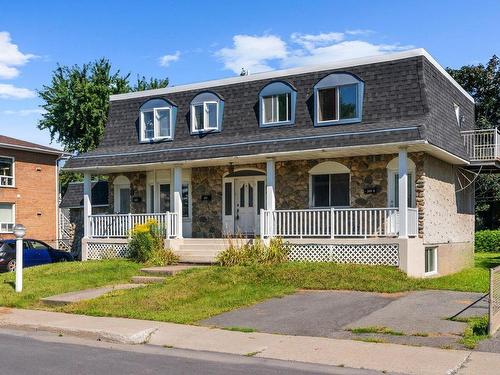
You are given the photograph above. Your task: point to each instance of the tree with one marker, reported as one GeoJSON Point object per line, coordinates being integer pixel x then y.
{"type": "Point", "coordinates": [76, 102]}
{"type": "Point", "coordinates": [483, 84]}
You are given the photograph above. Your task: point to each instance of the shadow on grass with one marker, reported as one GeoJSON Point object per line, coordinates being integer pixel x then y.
{"type": "Point", "coordinates": [486, 260]}
{"type": "Point", "coordinates": [11, 283]}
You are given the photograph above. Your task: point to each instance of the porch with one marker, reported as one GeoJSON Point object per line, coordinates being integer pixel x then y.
{"type": "Point", "coordinates": [483, 147]}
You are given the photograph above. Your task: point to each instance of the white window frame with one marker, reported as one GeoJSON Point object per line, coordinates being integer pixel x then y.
{"type": "Point", "coordinates": [156, 125]}
{"type": "Point", "coordinates": [392, 171]}
{"type": "Point", "coordinates": [435, 270]}
{"type": "Point", "coordinates": [337, 98]}
{"type": "Point", "coordinates": [205, 117]}
{"type": "Point", "coordinates": [288, 112]}
{"type": "Point", "coordinates": [11, 178]}
{"type": "Point", "coordinates": [12, 223]}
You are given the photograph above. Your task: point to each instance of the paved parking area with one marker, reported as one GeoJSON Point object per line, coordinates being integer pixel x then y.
{"type": "Point", "coordinates": [422, 316]}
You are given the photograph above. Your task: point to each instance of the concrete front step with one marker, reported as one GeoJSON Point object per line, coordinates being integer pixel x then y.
{"type": "Point", "coordinates": [196, 258]}
{"type": "Point", "coordinates": [148, 279]}
{"type": "Point", "coordinates": [168, 270]}
{"type": "Point", "coordinates": [212, 248]}
{"type": "Point", "coordinates": [213, 241]}
{"type": "Point", "coordinates": [83, 295]}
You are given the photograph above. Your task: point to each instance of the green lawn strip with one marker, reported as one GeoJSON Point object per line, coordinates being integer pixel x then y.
{"type": "Point", "coordinates": [380, 330]}
{"type": "Point", "coordinates": [198, 294]}
{"type": "Point", "coordinates": [240, 329]}
{"type": "Point", "coordinates": [477, 330]}
{"type": "Point", "coordinates": [371, 339]}
{"type": "Point", "coordinates": [53, 279]}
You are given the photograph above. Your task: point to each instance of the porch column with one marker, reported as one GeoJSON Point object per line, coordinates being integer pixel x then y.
{"type": "Point", "coordinates": [177, 197]}
{"type": "Point", "coordinates": [270, 185]}
{"type": "Point", "coordinates": [87, 205]}
{"type": "Point", "coordinates": [403, 193]}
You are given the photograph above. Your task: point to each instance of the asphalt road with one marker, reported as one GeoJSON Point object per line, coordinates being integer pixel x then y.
{"type": "Point", "coordinates": [44, 353]}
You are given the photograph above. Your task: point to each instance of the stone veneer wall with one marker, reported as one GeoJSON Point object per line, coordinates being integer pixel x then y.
{"type": "Point", "coordinates": [76, 220]}
{"type": "Point", "coordinates": [137, 189]}
{"type": "Point", "coordinates": [449, 216]}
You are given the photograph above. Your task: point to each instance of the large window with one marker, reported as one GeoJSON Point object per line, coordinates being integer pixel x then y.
{"type": "Point", "coordinates": [206, 113]}
{"type": "Point", "coordinates": [6, 171]}
{"type": "Point", "coordinates": [330, 185]}
{"type": "Point", "coordinates": [277, 104]}
{"type": "Point", "coordinates": [6, 217]}
{"type": "Point", "coordinates": [156, 119]}
{"type": "Point", "coordinates": [339, 99]}
{"type": "Point", "coordinates": [164, 195]}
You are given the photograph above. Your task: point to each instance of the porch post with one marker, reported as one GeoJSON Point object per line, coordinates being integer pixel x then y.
{"type": "Point", "coordinates": [403, 193]}
{"type": "Point", "coordinates": [177, 198]}
{"type": "Point", "coordinates": [87, 205]}
{"type": "Point", "coordinates": [270, 182]}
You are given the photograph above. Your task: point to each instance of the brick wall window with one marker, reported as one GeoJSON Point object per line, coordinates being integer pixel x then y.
{"type": "Point", "coordinates": [6, 171]}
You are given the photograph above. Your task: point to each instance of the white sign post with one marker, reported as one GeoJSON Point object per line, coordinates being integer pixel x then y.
{"type": "Point", "coordinates": [19, 232]}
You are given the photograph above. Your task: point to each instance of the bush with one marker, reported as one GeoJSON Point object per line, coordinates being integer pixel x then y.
{"type": "Point", "coordinates": [146, 245]}
{"type": "Point", "coordinates": [254, 253]}
{"type": "Point", "coordinates": [487, 241]}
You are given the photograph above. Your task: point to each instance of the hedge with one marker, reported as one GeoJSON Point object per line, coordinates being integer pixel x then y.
{"type": "Point", "coordinates": [487, 241]}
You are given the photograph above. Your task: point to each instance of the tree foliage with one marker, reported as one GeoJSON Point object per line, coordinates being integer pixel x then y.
{"type": "Point", "coordinates": [76, 102]}
{"type": "Point", "coordinates": [482, 82]}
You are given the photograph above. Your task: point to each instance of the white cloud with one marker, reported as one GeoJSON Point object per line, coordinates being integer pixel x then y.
{"type": "Point", "coordinates": [262, 53]}
{"type": "Point", "coordinates": [253, 53]}
{"type": "Point", "coordinates": [11, 57]}
{"type": "Point", "coordinates": [8, 91]}
{"type": "Point", "coordinates": [24, 112]}
{"type": "Point", "coordinates": [167, 59]}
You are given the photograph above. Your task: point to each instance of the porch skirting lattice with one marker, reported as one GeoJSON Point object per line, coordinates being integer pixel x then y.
{"type": "Point", "coordinates": [370, 254]}
{"type": "Point", "coordinates": [99, 250]}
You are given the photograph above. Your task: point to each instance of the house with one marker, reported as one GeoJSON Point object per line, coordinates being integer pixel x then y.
{"type": "Point", "coordinates": [368, 160]}
{"type": "Point", "coordinates": [29, 189]}
{"type": "Point", "coordinates": [71, 212]}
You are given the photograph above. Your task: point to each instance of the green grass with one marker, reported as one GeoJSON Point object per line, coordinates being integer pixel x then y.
{"type": "Point", "coordinates": [240, 329]}
{"type": "Point", "coordinates": [477, 330]}
{"type": "Point", "coordinates": [371, 339]}
{"type": "Point", "coordinates": [380, 330]}
{"type": "Point", "coordinates": [52, 279]}
{"type": "Point", "coordinates": [201, 293]}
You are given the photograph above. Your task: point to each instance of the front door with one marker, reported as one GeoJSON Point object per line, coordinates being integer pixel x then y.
{"type": "Point", "coordinates": [245, 204]}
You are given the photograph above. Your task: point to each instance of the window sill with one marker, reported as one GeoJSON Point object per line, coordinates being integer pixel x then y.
{"type": "Point", "coordinates": [276, 124]}
{"type": "Point", "coordinates": [7, 186]}
{"type": "Point", "coordinates": [205, 131]}
{"type": "Point", "coordinates": [430, 274]}
{"type": "Point", "coordinates": [158, 139]}
{"type": "Point", "coordinates": [338, 122]}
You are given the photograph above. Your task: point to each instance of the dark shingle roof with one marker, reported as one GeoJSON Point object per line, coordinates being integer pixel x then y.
{"type": "Point", "coordinates": [18, 143]}
{"type": "Point", "coordinates": [404, 100]}
{"type": "Point", "coordinates": [73, 197]}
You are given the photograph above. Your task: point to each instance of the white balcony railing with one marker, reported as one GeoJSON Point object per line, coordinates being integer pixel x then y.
{"type": "Point", "coordinates": [6, 180]}
{"type": "Point", "coordinates": [482, 144]}
{"type": "Point", "coordinates": [333, 222]}
{"type": "Point", "coordinates": [6, 227]}
{"type": "Point", "coordinates": [121, 225]}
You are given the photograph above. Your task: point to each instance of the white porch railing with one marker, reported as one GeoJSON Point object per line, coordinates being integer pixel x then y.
{"type": "Point", "coordinates": [6, 227]}
{"type": "Point", "coordinates": [333, 222]}
{"type": "Point", "coordinates": [482, 144]}
{"type": "Point", "coordinates": [120, 225]}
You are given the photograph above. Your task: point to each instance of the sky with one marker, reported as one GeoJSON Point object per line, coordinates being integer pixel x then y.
{"type": "Point", "coordinates": [191, 41]}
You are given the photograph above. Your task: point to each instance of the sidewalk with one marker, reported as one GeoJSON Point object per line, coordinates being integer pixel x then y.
{"type": "Point", "coordinates": [382, 357]}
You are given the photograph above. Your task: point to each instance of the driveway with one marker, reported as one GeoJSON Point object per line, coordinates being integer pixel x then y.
{"type": "Point", "coordinates": [422, 316]}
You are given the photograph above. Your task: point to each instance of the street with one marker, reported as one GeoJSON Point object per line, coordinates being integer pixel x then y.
{"type": "Point", "coordinates": [46, 353]}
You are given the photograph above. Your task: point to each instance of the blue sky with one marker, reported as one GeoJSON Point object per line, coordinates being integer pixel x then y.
{"type": "Point", "coordinates": [192, 41]}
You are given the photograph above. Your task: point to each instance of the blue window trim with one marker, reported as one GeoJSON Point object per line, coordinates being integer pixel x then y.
{"type": "Point", "coordinates": [275, 88]}
{"type": "Point", "coordinates": [336, 80]}
{"type": "Point", "coordinates": [159, 103]}
{"type": "Point", "coordinates": [203, 97]}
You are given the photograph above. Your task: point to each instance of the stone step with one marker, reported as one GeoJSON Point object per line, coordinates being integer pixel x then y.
{"type": "Point", "coordinates": [213, 241]}
{"type": "Point", "coordinates": [168, 270]}
{"type": "Point", "coordinates": [211, 253]}
{"type": "Point", "coordinates": [83, 295]}
{"type": "Point", "coordinates": [196, 258]}
{"type": "Point", "coordinates": [211, 248]}
{"type": "Point", "coordinates": [148, 279]}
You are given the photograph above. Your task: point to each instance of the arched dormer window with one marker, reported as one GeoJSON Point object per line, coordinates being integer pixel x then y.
{"type": "Point", "coordinates": [277, 104]}
{"type": "Point", "coordinates": [329, 185]}
{"type": "Point", "coordinates": [207, 109]}
{"type": "Point", "coordinates": [338, 99]}
{"type": "Point", "coordinates": [157, 120]}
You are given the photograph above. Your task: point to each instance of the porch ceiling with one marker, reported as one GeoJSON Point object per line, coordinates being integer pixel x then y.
{"type": "Point", "coordinates": [337, 152]}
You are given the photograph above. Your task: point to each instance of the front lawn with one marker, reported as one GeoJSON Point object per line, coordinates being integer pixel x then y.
{"type": "Point", "coordinates": [200, 293]}
{"type": "Point", "coordinates": [57, 278]}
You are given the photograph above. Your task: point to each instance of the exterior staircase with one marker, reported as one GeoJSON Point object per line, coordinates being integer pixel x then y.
{"type": "Point", "coordinates": [203, 250]}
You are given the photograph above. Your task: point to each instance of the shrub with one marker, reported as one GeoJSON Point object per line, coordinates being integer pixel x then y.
{"type": "Point", "coordinates": [146, 245]}
{"type": "Point", "coordinates": [254, 253]}
{"type": "Point", "coordinates": [487, 241]}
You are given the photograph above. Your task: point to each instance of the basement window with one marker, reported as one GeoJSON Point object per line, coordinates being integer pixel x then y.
{"type": "Point", "coordinates": [430, 260]}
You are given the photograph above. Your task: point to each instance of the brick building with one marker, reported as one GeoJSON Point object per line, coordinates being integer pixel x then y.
{"type": "Point", "coordinates": [28, 188]}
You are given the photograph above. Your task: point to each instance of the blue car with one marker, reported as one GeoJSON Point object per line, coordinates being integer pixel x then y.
{"type": "Point", "coordinates": [35, 253]}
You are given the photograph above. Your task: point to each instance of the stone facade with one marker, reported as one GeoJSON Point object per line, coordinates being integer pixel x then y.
{"type": "Point", "coordinates": [137, 191]}
{"type": "Point", "coordinates": [76, 221]}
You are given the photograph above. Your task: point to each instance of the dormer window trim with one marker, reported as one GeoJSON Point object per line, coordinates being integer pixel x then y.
{"type": "Point", "coordinates": [212, 106]}
{"type": "Point", "coordinates": [336, 86]}
{"type": "Point", "coordinates": [166, 107]}
{"type": "Point", "coordinates": [273, 91]}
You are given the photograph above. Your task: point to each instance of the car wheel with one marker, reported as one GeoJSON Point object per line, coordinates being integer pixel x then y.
{"type": "Point", "coordinates": [11, 266]}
